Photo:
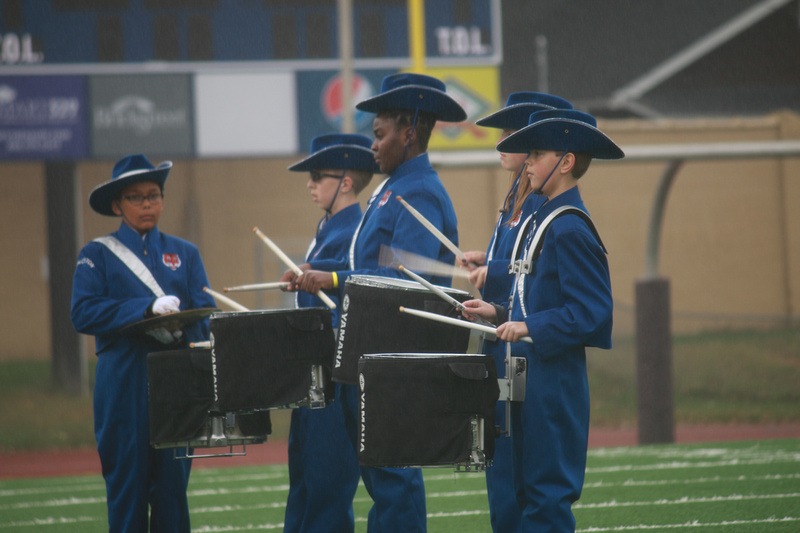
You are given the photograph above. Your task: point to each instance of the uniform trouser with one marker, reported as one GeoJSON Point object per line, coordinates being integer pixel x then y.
{"type": "Point", "coordinates": [550, 431]}
{"type": "Point", "coordinates": [504, 512]}
{"type": "Point", "coordinates": [136, 475]}
{"type": "Point", "coordinates": [323, 472]}
{"type": "Point", "coordinates": [398, 493]}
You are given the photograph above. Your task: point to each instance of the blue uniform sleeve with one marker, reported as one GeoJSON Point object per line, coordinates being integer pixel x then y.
{"type": "Point", "coordinates": [584, 315]}
{"type": "Point", "coordinates": [95, 310]}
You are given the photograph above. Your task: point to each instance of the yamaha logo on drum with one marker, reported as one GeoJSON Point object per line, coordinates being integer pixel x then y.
{"type": "Point", "coordinates": [362, 438]}
{"type": "Point", "coordinates": [342, 328]}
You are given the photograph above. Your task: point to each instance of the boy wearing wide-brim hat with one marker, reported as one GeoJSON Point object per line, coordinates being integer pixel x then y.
{"type": "Point", "coordinates": [323, 465]}
{"type": "Point", "coordinates": [407, 109]}
{"type": "Point", "coordinates": [493, 279]}
{"type": "Point", "coordinates": [562, 300]}
{"type": "Point", "coordinates": [132, 274]}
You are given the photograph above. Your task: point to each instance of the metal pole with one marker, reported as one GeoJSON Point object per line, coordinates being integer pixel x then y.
{"type": "Point", "coordinates": [416, 34]}
{"type": "Point", "coordinates": [69, 370]}
{"type": "Point", "coordinates": [345, 13]}
{"type": "Point", "coordinates": [654, 330]}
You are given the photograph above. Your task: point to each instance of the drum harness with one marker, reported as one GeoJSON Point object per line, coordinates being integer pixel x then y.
{"type": "Point", "coordinates": [526, 252]}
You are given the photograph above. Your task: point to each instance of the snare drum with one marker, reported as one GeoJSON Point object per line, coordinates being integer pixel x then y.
{"type": "Point", "coordinates": [427, 410]}
{"type": "Point", "coordinates": [272, 359]}
{"type": "Point", "coordinates": [371, 322]}
{"type": "Point", "coordinates": [182, 409]}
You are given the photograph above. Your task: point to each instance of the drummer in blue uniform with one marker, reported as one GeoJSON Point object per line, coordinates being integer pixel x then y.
{"type": "Point", "coordinates": [489, 273]}
{"type": "Point", "coordinates": [406, 109]}
{"type": "Point", "coordinates": [323, 465]}
{"type": "Point", "coordinates": [562, 300]}
{"type": "Point", "coordinates": [121, 279]}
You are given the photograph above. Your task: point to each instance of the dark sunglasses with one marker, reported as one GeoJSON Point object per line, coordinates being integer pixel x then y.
{"type": "Point", "coordinates": [316, 177]}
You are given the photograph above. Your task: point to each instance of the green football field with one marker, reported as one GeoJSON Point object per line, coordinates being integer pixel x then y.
{"type": "Point", "coordinates": [745, 486]}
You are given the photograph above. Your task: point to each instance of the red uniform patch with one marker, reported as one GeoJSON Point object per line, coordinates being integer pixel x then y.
{"type": "Point", "coordinates": [385, 198]}
{"type": "Point", "coordinates": [514, 222]}
{"type": "Point", "coordinates": [171, 261]}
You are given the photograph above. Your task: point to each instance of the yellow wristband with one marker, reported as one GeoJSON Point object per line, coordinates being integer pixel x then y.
{"type": "Point", "coordinates": [335, 280]}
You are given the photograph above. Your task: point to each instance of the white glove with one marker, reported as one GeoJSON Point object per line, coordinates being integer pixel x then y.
{"type": "Point", "coordinates": [164, 336]}
{"type": "Point", "coordinates": [166, 304]}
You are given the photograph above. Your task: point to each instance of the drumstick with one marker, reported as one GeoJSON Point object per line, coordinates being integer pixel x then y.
{"type": "Point", "coordinates": [391, 257]}
{"type": "Point", "coordinates": [224, 299]}
{"type": "Point", "coordinates": [441, 294]}
{"type": "Point", "coordinates": [258, 286]}
{"type": "Point", "coordinates": [289, 263]}
{"type": "Point", "coordinates": [456, 322]}
{"type": "Point", "coordinates": [200, 344]}
{"type": "Point", "coordinates": [436, 233]}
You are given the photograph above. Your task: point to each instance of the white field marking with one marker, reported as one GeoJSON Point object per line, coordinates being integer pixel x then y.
{"type": "Point", "coordinates": [458, 513]}
{"type": "Point", "coordinates": [455, 476]}
{"type": "Point", "coordinates": [49, 521]}
{"type": "Point", "coordinates": [198, 479]}
{"type": "Point", "coordinates": [685, 499]}
{"type": "Point", "coordinates": [713, 479]}
{"type": "Point", "coordinates": [240, 490]}
{"type": "Point", "coordinates": [225, 529]}
{"type": "Point", "coordinates": [236, 508]}
{"type": "Point", "coordinates": [45, 490]}
{"type": "Point", "coordinates": [54, 503]}
{"type": "Point", "coordinates": [693, 523]}
{"type": "Point", "coordinates": [683, 465]}
{"type": "Point", "coordinates": [672, 451]}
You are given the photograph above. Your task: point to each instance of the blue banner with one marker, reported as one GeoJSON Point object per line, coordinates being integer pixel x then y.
{"type": "Point", "coordinates": [43, 117]}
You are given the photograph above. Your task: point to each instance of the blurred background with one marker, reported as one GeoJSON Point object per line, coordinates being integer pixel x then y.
{"type": "Point", "coordinates": [703, 96]}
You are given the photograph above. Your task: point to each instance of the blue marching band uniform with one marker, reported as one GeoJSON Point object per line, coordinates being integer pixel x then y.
{"type": "Point", "coordinates": [323, 465]}
{"type": "Point", "coordinates": [399, 494]}
{"type": "Point", "coordinates": [565, 300]}
{"type": "Point", "coordinates": [107, 296]}
{"type": "Point", "coordinates": [504, 512]}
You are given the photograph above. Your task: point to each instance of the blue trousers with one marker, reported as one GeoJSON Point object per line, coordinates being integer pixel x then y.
{"type": "Point", "coordinates": [398, 494]}
{"type": "Point", "coordinates": [137, 476]}
{"type": "Point", "coordinates": [323, 472]}
{"type": "Point", "coordinates": [504, 511]}
{"type": "Point", "coordinates": [550, 433]}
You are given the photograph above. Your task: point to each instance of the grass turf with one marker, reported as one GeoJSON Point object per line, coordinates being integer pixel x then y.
{"type": "Point", "coordinates": [741, 486]}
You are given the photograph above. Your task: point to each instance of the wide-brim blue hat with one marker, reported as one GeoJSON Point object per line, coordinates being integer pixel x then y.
{"type": "Point", "coordinates": [128, 170]}
{"type": "Point", "coordinates": [519, 107]}
{"type": "Point", "coordinates": [350, 151]}
{"type": "Point", "coordinates": [415, 91]}
{"type": "Point", "coordinates": [562, 130]}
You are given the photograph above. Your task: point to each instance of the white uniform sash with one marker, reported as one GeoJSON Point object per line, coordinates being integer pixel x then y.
{"type": "Point", "coordinates": [130, 260]}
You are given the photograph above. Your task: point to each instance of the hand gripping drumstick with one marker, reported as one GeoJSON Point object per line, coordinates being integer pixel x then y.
{"type": "Point", "coordinates": [436, 233]}
{"type": "Point", "coordinates": [456, 322]}
{"type": "Point", "coordinates": [441, 294]}
{"type": "Point", "coordinates": [224, 299]}
{"type": "Point", "coordinates": [289, 263]}
{"type": "Point", "coordinates": [258, 286]}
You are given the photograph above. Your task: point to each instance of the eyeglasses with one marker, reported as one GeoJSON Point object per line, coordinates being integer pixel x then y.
{"type": "Point", "coordinates": [316, 177]}
{"type": "Point", "coordinates": [137, 199]}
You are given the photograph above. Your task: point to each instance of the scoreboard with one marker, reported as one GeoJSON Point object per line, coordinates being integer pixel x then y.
{"type": "Point", "coordinates": [182, 32]}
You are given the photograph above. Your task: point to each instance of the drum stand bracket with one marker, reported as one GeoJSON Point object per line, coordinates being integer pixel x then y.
{"type": "Point", "coordinates": [477, 460]}
{"type": "Point", "coordinates": [512, 387]}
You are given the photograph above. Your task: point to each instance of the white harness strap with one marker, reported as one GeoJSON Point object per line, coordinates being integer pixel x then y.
{"type": "Point", "coordinates": [522, 267]}
{"type": "Point", "coordinates": [352, 254]}
{"type": "Point", "coordinates": [130, 260]}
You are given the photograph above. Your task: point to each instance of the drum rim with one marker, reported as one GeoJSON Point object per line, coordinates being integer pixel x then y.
{"type": "Point", "coordinates": [366, 280]}
{"type": "Point", "coordinates": [419, 355]}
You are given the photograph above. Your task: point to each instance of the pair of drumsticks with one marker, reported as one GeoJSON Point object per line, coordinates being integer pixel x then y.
{"type": "Point", "coordinates": [480, 324]}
